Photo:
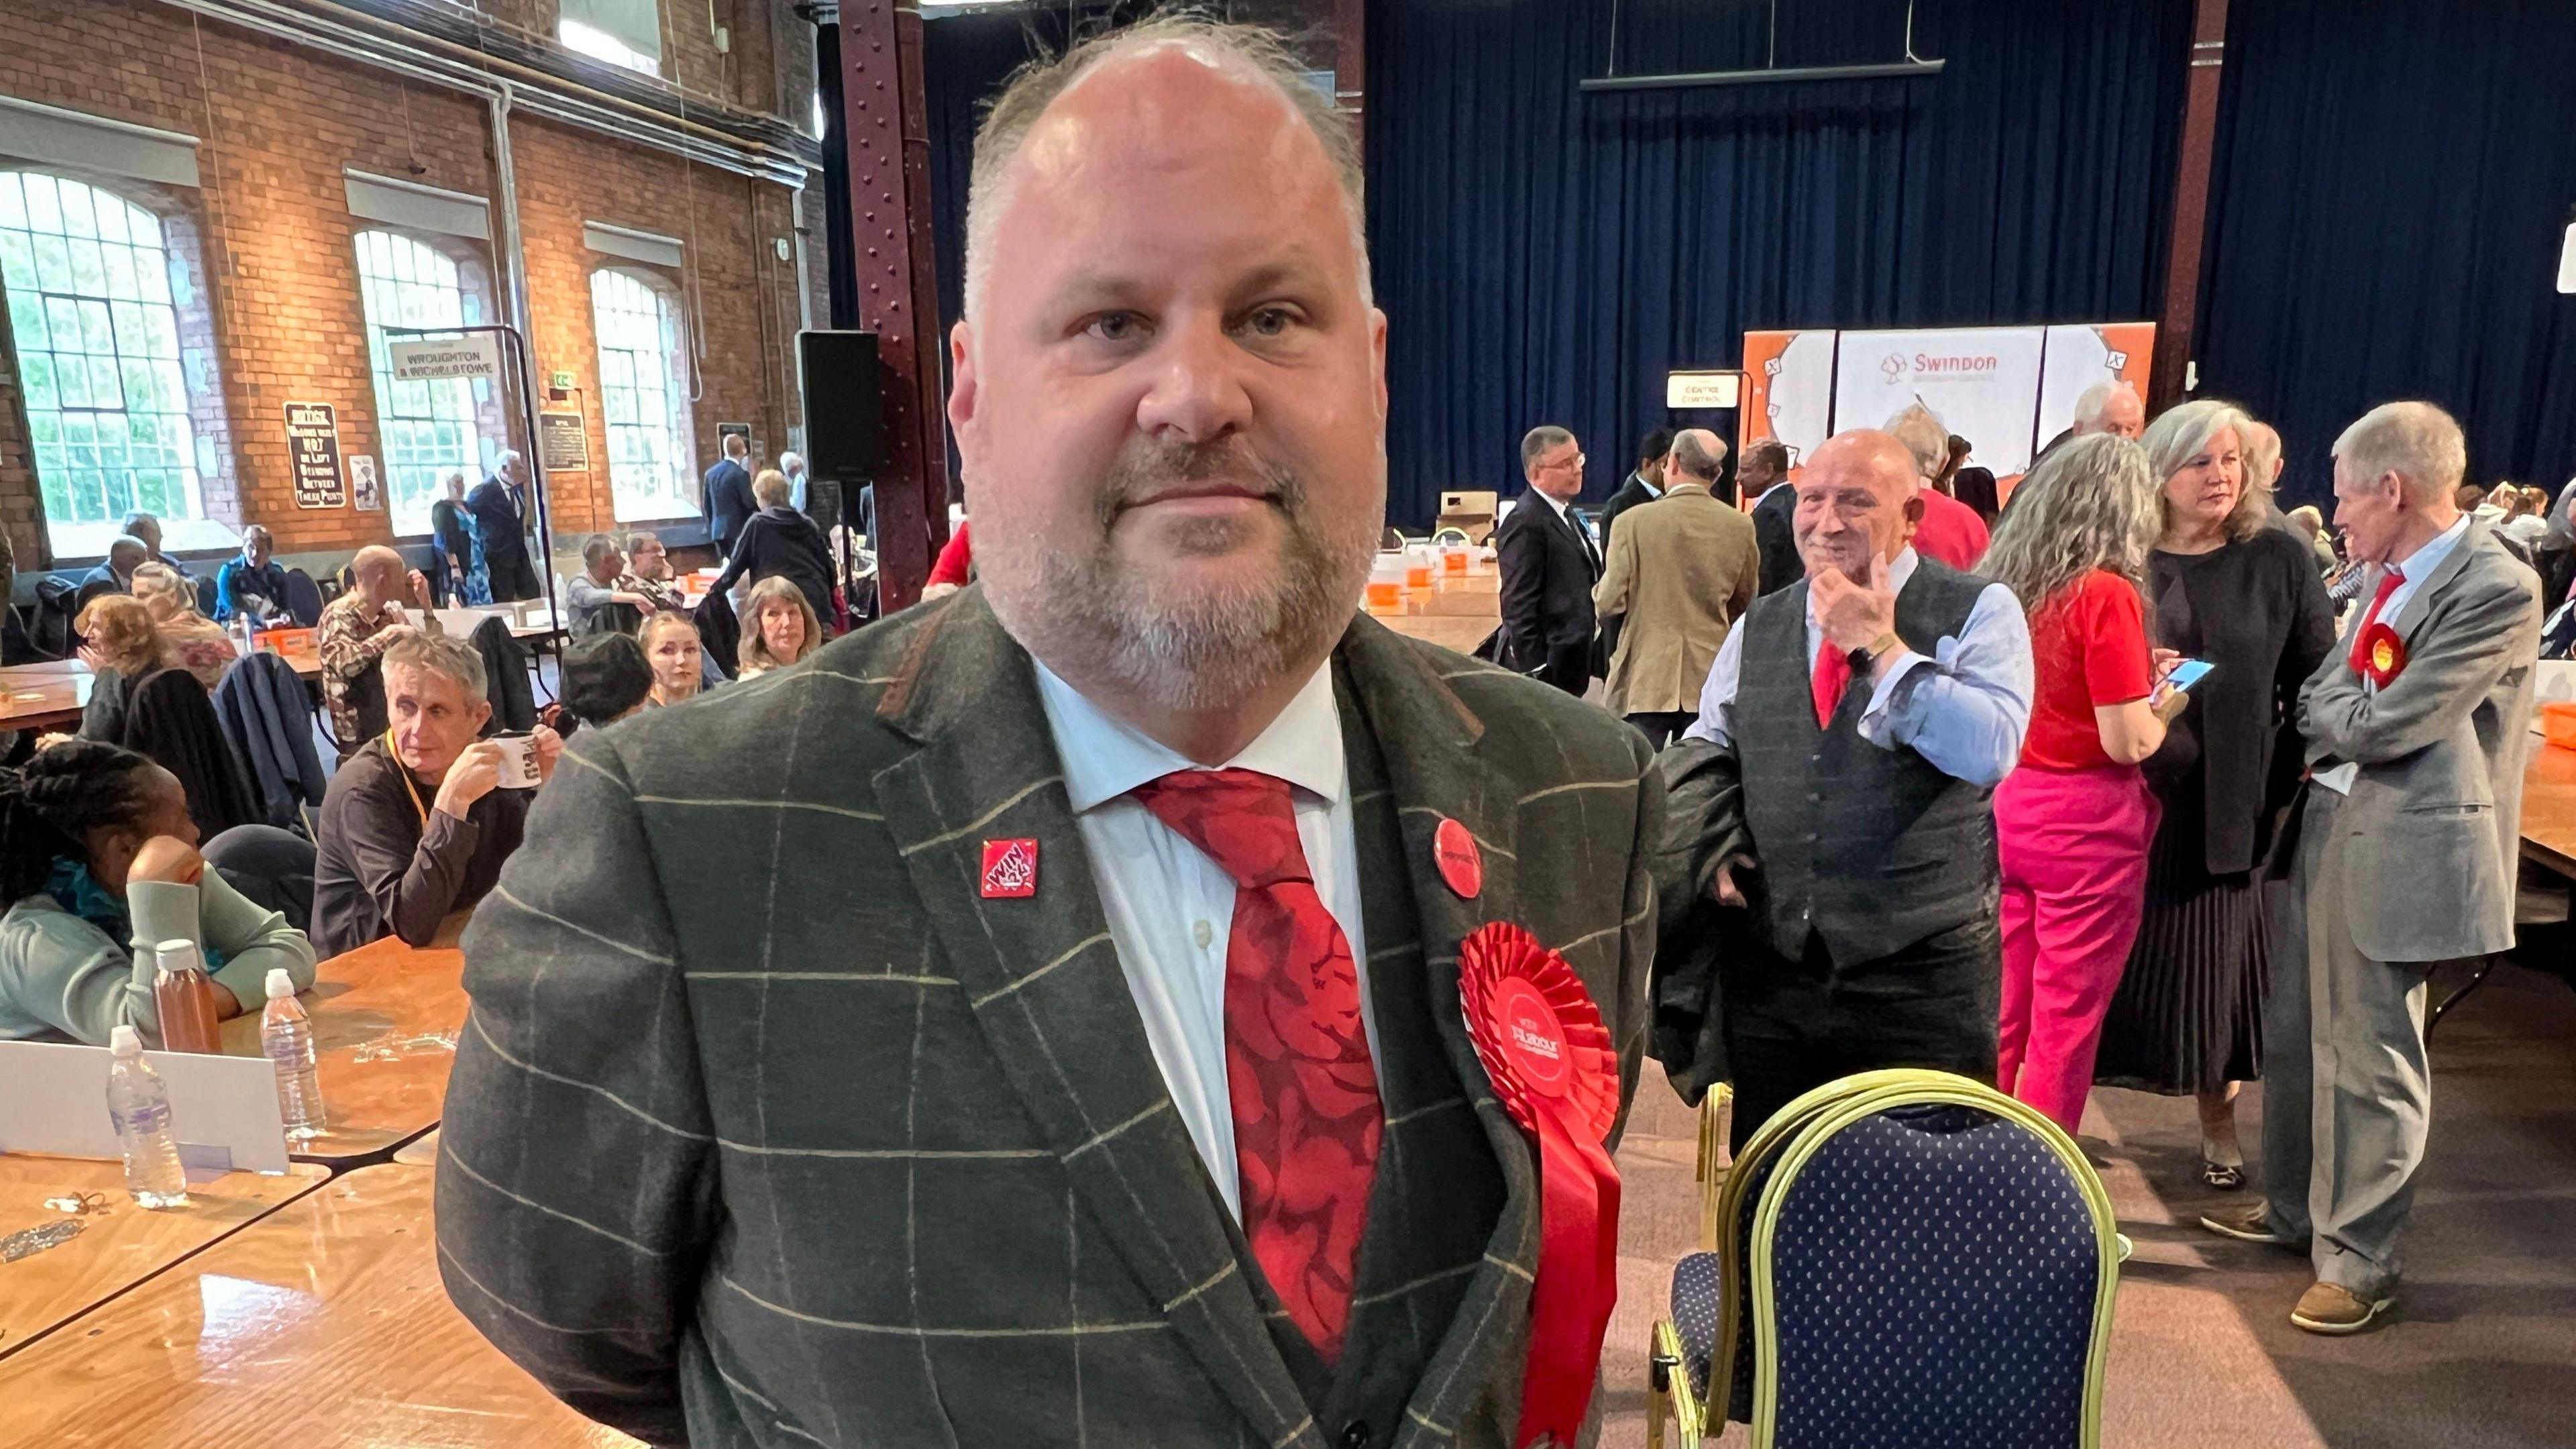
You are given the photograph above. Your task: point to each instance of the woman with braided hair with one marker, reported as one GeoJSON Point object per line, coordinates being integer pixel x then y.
{"type": "Point", "coordinates": [98, 863]}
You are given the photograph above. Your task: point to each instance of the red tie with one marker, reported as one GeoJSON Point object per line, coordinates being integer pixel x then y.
{"type": "Point", "coordinates": [2388, 582]}
{"type": "Point", "coordinates": [1832, 677]}
{"type": "Point", "coordinates": [1306, 1112]}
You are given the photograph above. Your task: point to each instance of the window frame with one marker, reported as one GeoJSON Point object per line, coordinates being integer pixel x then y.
{"type": "Point", "coordinates": [676, 430]}
{"type": "Point", "coordinates": [470, 404]}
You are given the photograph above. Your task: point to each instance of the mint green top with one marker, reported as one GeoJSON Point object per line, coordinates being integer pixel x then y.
{"type": "Point", "coordinates": [61, 976]}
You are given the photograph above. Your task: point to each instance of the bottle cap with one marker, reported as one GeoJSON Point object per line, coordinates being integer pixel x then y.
{"type": "Point", "coordinates": [279, 983]}
{"type": "Point", "coordinates": [125, 1041]}
{"type": "Point", "coordinates": [178, 955]}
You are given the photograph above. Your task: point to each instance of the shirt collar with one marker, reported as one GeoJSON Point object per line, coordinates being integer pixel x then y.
{"type": "Point", "coordinates": [2421, 563]}
{"type": "Point", "coordinates": [1551, 501]}
{"type": "Point", "coordinates": [1651, 490]}
{"type": "Point", "coordinates": [1105, 757]}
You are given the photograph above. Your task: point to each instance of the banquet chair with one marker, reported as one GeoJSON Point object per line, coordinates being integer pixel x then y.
{"type": "Point", "coordinates": [1933, 1264]}
{"type": "Point", "coordinates": [1699, 1360]}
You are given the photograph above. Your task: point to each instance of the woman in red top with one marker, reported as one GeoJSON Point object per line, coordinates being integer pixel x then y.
{"type": "Point", "coordinates": [2073, 824]}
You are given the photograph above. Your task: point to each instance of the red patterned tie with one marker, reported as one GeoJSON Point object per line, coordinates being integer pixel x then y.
{"type": "Point", "coordinates": [2389, 579]}
{"type": "Point", "coordinates": [1832, 676]}
{"type": "Point", "coordinates": [1306, 1113]}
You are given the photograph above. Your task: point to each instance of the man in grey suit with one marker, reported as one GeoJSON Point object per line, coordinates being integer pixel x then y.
{"type": "Point", "coordinates": [2403, 857]}
{"type": "Point", "coordinates": [860, 1055]}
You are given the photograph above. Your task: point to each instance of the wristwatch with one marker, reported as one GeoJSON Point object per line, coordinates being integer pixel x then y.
{"type": "Point", "coordinates": [1867, 656]}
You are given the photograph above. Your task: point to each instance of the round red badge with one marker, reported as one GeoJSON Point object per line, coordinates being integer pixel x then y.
{"type": "Point", "coordinates": [1461, 864]}
{"type": "Point", "coordinates": [2383, 654]}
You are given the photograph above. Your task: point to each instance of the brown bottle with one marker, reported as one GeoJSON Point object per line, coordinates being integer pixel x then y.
{"type": "Point", "coordinates": [184, 995]}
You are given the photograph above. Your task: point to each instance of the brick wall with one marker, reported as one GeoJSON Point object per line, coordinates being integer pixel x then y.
{"type": "Point", "coordinates": [272, 237]}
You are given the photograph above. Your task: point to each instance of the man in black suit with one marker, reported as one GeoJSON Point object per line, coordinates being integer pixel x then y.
{"type": "Point", "coordinates": [1549, 565]}
{"type": "Point", "coordinates": [728, 494]}
{"type": "Point", "coordinates": [1643, 486]}
{"type": "Point", "coordinates": [500, 508]}
{"type": "Point", "coordinates": [1765, 476]}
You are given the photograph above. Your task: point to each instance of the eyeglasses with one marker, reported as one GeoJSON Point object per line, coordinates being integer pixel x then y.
{"type": "Point", "coordinates": [1576, 463]}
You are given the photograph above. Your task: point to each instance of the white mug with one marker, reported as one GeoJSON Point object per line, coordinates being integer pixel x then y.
{"type": "Point", "coordinates": [518, 759]}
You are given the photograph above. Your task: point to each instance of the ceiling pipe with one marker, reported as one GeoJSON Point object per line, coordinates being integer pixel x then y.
{"type": "Point", "coordinates": [1896, 70]}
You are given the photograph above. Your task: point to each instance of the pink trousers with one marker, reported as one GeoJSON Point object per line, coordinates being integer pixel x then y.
{"type": "Point", "coordinates": [2073, 847]}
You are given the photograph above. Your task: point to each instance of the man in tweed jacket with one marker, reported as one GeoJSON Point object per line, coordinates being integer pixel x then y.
{"type": "Point", "coordinates": [784, 1118]}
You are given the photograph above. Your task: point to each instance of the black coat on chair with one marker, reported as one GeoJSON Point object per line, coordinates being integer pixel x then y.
{"type": "Point", "coordinates": [169, 718]}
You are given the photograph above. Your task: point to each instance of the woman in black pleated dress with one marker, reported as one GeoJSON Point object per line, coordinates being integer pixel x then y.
{"type": "Point", "coordinates": [2230, 588]}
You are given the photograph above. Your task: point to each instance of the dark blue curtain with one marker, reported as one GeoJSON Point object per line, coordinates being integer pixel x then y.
{"type": "Point", "coordinates": [1547, 256]}
{"type": "Point", "coordinates": [2392, 188]}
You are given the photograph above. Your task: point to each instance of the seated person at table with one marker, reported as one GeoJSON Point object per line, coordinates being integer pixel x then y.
{"type": "Point", "coordinates": [115, 575]}
{"type": "Point", "coordinates": [649, 573]}
{"type": "Point", "coordinates": [605, 679]}
{"type": "Point", "coordinates": [415, 825]}
{"type": "Point", "coordinates": [120, 644]}
{"type": "Point", "coordinates": [189, 640]}
{"type": "Point", "coordinates": [778, 628]}
{"type": "Point", "coordinates": [779, 542]}
{"type": "Point", "coordinates": [592, 597]}
{"type": "Point", "coordinates": [99, 862]}
{"type": "Point", "coordinates": [359, 626]}
{"type": "Point", "coordinates": [677, 658]}
{"type": "Point", "coordinates": [253, 584]}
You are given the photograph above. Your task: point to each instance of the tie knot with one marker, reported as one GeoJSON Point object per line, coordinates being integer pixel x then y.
{"type": "Point", "coordinates": [1243, 820]}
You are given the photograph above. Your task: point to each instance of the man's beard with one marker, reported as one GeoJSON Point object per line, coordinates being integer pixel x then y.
{"type": "Point", "coordinates": [1182, 645]}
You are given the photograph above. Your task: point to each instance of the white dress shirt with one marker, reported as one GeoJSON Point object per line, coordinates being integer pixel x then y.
{"type": "Point", "coordinates": [1965, 708]}
{"type": "Point", "coordinates": [2417, 567]}
{"type": "Point", "coordinates": [1565, 510]}
{"type": "Point", "coordinates": [1171, 909]}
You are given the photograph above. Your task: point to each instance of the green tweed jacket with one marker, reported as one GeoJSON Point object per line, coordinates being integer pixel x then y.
{"type": "Point", "coordinates": [769, 1129]}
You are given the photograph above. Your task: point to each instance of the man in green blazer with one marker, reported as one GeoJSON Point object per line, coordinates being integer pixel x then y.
{"type": "Point", "coordinates": [1036, 1018]}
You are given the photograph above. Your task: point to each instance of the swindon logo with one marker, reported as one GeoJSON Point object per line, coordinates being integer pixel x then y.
{"type": "Point", "coordinates": [1895, 366]}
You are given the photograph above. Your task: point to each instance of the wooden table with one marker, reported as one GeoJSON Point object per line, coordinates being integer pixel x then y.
{"type": "Point", "coordinates": [421, 1151]}
{"type": "Point", "coordinates": [385, 1019]}
{"type": "Point", "coordinates": [121, 1244]}
{"type": "Point", "coordinates": [323, 1324]}
{"type": "Point", "coordinates": [50, 694]}
{"type": "Point", "coordinates": [1456, 612]}
{"type": "Point", "coordinates": [2549, 808]}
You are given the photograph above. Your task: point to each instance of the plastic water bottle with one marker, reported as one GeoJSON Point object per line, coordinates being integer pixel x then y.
{"type": "Point", "coordinates": [286, 1038]}
{"type": "Point", "coordinates": [183, 996]}
{"type": "Point", "coordinates": [140, 1106]}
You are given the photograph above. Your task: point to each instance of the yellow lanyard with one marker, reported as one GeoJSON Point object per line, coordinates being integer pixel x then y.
{"type": "Point", "coordinates": [405, 771]}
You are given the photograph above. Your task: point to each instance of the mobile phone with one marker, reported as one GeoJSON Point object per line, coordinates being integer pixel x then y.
{"type": "Point", "coordinates": [2188, 673]}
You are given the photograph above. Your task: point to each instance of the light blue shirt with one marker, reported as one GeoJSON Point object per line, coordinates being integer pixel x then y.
{"type": "Point", "coordinates": [1965, 707]}
{"type": "Point", "coordinates": [1171, 909]}
{"type": "Point", "coordinates": [2419, 566]}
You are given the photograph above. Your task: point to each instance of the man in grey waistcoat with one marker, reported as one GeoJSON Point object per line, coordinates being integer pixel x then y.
{"type": "Point", "coordinates": [2404, 855]}
{"type": "Point", "coordinates": [1838, 787]}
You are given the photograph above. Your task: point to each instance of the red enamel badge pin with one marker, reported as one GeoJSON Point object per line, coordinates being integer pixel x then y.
{"type": "Point", "coordinates": [1461, 864]}
{"type": "Point", "coordinates": [1010, 869]}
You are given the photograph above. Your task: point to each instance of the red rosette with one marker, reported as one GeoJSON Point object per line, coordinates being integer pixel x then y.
{"type": "Point", "coordinates": [1553, 1067]}
{"type": "Point", "coordinates": [2382, 654]}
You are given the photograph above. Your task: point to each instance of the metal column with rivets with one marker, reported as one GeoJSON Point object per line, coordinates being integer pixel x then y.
{"type": "Point", "coordinates": [885, 133]}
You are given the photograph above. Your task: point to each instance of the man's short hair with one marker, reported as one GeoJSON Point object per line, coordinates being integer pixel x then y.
{"type": "Point", "coordinates": [1773, 454]}
{"type": "Point", "coordinates": [126, 543]}
{"type": "Point", "coordinates": [2096, 400]}
{"type": "Point", "coordinates": [2417, 441]}
{"type": "Point", "coordinates": [736, 445]}
{"type": "Point", "coordinates": [790, 461]}
{"type": "Point", "coordinates": [1036, 85]}
{"type": "Point", "coordinates": [136, 519]}
{"type": "Point", "coordinates": [439, 654]}
{"type": "Point", "coordinates": [771, 489]}
{"type": "Point", "coordinates": [1539, 441]}
{"type": "Point", "coordinates": [596, 547]}
{"type": "Point", "coordinates": [1923, 436]}
{"type": "Point", "coordinates": [1654, 445]}
{"type": "Point", "coordinates": [2466, 498]}
{"type": "Point", "coordinates": [1690, 453]}
{"type": "Point", "coordinates": [258, 528]}
{"type": "Point", "coordinates": [636, 540]}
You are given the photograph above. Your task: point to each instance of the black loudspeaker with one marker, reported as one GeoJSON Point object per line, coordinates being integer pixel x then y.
{"type": "Point", "coordinates": [844, 386]}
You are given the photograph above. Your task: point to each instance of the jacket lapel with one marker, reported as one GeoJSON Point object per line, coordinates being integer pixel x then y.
{"type": "Point", "coordinates": [1438, 767]}
{"type": "Point", "coordinates": [2422, 599]}
{"type": "Point", "coordinates": [1044, 982]}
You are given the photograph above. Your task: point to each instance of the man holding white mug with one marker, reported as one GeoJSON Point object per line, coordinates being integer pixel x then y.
{"type": "Point", "coordinates": [419, 819]}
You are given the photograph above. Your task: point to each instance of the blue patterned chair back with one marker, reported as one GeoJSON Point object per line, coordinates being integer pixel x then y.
{"type": "Point", "coordinates": [1932, 1267]}
{"type": "Point", "coordinates": [1724, 1377]}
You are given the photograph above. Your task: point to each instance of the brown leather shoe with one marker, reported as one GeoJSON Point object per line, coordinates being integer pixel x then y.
{"type": "Point", "coordinates": [2249, 1224]}
{"type": "Point", "coordinates": [2334, 1310]}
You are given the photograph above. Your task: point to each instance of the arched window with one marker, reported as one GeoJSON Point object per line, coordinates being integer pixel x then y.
{"type": "Point", "coordinates": [426, 429]}
{"type": "Point", "coordinates": [88, 282]}
{"type": "Point", "coordinates": [643, 394]}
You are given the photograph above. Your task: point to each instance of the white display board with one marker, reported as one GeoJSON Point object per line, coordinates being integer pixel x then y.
{"type": "Point", "coordinates": [2079, 358]}
{"type": "Point", "coordinates": [1801, 393]}
{"type": "Point", "coordinates": [223, 1110]}
{"type": "Point", "coordinates": [1982, 382]}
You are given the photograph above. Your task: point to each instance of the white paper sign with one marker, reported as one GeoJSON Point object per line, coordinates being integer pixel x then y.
{"type": "Point", "coordinates": [362, 484]}
{"type": "Point", "coordinates": [53, 1099]}
{"type": "Point", "coordinates": [477, 354]}
{"type": "Point", "coordinates": [1702, 389]}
